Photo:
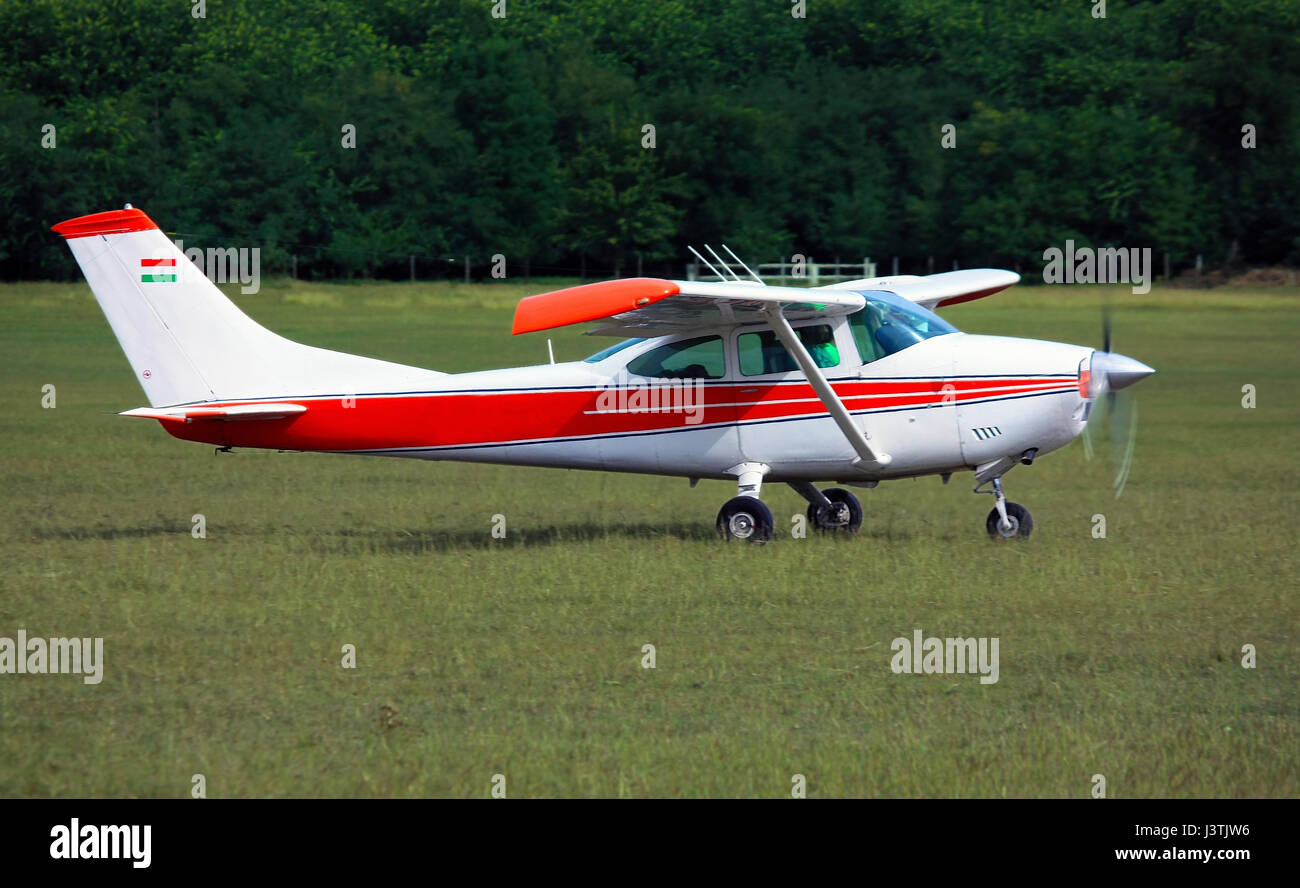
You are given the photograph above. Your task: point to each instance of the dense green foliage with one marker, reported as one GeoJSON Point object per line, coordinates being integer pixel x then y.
{"type": "Point", "coordinates": [523, 136]}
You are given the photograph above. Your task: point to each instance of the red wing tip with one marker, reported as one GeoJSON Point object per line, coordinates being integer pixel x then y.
{"type": "Point", "coordinates": [588, 302]}
{"type": "Point", "coordinates": [111, 222]}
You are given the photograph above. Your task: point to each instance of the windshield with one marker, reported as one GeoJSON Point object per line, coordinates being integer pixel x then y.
{"type": "Point", "coordinates": [889, 323]}
{"type": "Point", "coordinates": [606, 352]}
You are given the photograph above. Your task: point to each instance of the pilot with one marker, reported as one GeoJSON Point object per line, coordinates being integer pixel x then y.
{"type": "Point", "coordinates": [821, 345]}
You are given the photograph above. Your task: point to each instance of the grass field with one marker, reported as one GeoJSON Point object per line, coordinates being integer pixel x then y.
{"type": "Point", "coordinates": [522, 656]}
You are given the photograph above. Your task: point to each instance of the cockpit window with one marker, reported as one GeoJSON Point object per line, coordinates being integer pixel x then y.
{"type": "Point", "coordinates": [889, 324]}
{"type": "Point", "coordinates": [613, 349]}
{"type": "Point", "coordinates": [699, 358]}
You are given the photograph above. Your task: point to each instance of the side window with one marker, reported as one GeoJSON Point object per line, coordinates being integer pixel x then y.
{"type": "Point", "coordinates": [699, 358]}
{"type": "Point", "coordinates": [820, 342]}
{"type": "Point", "coordinates": [613, 349]}
{"type": "Point", "coordinates": [762, 352]}
{"type": "Point", "coordinates": [863, 337]}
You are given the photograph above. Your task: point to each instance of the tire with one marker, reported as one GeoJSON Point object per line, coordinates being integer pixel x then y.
{"type": "Point", "coordinates": [1022, 523]}
{"type": "Point", "coordinates": [819, 517]}
{"type": "Point", "coordinates": [745, 518]}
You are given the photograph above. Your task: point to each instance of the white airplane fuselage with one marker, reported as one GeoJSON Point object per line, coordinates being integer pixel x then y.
{"type": "Point", "coordinates": [855, 383]}
{"type": "Point", "coordinates": [946, 404]}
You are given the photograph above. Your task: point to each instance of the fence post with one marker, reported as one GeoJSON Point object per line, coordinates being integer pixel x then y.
{"type": "Point", "coordinates": [467, 269]}
{"type": "Point", "coordinates": [412, 269]}
{"type": "Point", "coordinates": [1166, 267]}
{"type": "Point", "coordinates": [895, 272]}
{"type": "Point", "coordinates": [294, 273]}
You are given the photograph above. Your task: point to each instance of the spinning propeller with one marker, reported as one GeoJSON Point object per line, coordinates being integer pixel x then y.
{"type": "Point", "coordinates": [1109, 374]}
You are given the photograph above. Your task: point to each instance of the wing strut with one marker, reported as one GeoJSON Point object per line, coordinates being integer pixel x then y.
{"type": "Point", "coordinates": [867, 458]}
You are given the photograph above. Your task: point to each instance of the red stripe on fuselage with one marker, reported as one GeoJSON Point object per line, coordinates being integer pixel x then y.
{"type": "Point", "coordinates": [459, 419]}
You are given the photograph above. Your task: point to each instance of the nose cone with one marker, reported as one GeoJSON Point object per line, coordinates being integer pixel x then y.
{"type": "Point", "coordinates": [1119, 371]}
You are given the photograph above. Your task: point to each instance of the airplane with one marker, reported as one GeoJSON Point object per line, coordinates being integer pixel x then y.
{"type": "Point", "coordinates": [854, 383]}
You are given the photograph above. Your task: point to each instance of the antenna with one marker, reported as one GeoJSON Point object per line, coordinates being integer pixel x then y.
{"type": "Point", "coordinates": [706, 262]}
{"type": "Point", "coordinates": [720, 262]}
{"type": "Point", "coordinates": [742, 264]}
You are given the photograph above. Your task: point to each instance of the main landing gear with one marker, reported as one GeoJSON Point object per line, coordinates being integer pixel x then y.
{"type": "Point", "coordinates": [1007, 520]}
{"type": "Point", "coordinates": [745, 517]}
{"type": "Point", "coordinates": [833, 510]}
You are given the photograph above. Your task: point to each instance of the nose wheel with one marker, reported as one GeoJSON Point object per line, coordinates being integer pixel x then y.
{"type": "Point", "coordinates": [1007, 520]}
{"type": "Point", "coordinates": [1019, 523]}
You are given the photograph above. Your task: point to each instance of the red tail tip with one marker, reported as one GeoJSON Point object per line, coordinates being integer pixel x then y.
{"type": "Point", "coordinates": [112, 222]}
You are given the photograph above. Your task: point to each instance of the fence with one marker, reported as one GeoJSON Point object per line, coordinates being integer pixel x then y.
{"type": "Point", "coordinates": [814, 273]}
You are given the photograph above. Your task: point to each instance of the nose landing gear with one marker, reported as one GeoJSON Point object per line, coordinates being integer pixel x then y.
{"type": "Point", "coordinates": [1007, 520]}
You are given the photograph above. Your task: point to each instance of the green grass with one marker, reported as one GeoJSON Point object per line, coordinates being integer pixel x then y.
{"type": "Point", "coordinates": [522, 656]}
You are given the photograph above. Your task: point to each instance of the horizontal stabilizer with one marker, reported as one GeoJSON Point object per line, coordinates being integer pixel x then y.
{"type": "Point", "coordinates": [235, 412]}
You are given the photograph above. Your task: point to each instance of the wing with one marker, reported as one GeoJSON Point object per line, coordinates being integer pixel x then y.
{"type": "Point", "coordinates": [653, 307]}
{"type": "Point", "coordinates": [936, 290]}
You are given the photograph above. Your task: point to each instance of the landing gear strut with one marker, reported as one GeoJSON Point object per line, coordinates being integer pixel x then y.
{"type": "Point", "coordinates": [1007, 520]}
{"type": "Point", "coordinates": [833, 510]}
{"type": "Point", "coordinates": [744, 517]}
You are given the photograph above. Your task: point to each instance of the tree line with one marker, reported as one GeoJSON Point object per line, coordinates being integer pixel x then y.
{"type": "Point", "coordinates": [599, 134]}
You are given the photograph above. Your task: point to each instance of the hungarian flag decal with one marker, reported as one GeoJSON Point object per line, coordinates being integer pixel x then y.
{"type": "Point", "coordinates": [157, 270]}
